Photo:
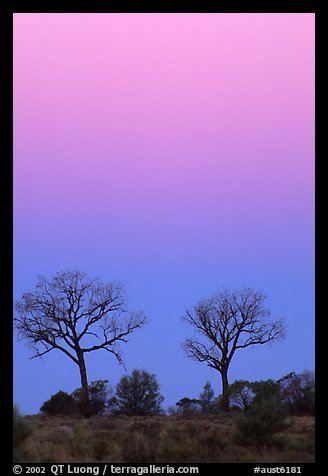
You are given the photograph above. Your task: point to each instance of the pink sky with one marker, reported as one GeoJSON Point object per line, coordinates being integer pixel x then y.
{"type": "Point", "coordinates": [185, 102]}
{"type": "Point", "coordinates": [166, 138]}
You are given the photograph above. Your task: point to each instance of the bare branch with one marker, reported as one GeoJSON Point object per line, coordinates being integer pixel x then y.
{"type": "Point", "coordinates": [114, 332]}
{"type": "Point", "coordinates": [229, 321]}
{"type": "Point", "coordinates": [69, 311]}
{"type": "Point", "coordinates": [201, 353]}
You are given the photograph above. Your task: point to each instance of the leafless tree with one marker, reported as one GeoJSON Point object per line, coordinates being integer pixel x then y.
{"type": "Point", "coordinates": [76, 315]}
{"type": "Point", "coordinates": [226, 322]}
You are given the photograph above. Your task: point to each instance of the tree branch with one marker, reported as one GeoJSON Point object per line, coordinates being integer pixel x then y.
{"type": "Point", "coordinates": [63, 310]}
{"type": "Point", "coordinates": [229, 321]}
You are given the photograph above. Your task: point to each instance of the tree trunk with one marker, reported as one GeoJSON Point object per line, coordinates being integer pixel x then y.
{"type": "Point", "coordinates": [225, 399]}
{"type": "Point", "coordinates": [85, 401]}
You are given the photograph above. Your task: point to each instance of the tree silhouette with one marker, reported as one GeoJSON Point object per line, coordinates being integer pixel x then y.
{"type": "Point", "coordinates": [76, 315]}
{"type": "Point", "coordinates": [228, 321]}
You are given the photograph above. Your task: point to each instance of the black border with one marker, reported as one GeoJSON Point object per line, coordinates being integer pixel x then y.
{"type": "Point", "coordinates": [179, 6]}
{"type": "Point", "coordinates": [7, 10]}
{"type": "Point", "coordinates": [6, 190]}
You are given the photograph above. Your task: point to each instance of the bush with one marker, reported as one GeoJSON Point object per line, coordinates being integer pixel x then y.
{"type": "Point", "coordinates": [260, 422]}
{"type": "Point", "coordinates": [188, 406]}
{"type": "Point", "coordinates": [21, 431]}
{"type": "Point", "coordinates": [298, 392]}
{"type": "Point", "coordinates": [265, 390]}
{"type": "Point", "coordinates": [98, 397]}
{"type": "Point", "coordinates": [207, 399]}
{"type": "Point", "coordinates": [21, 428]}
{"type": "Point", "coordinates": [60, 404]}
{"type": "Point", "coordinates": [241, 394]}
{"type": "Point", "coordinates": [138, 394]}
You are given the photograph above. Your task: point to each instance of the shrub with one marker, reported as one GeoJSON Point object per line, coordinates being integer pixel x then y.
{"type": "Point", "coordinates": [260, 422]}
{"type": "Point", "coordinates": [298, 392]}
{"type": "Point", "coordinates": [241, 394]}
{"type": "Point", "coordinates": [207, 400]}
{"type": "Point", "coordinates": [98, 397]}
{"type": "Point", "coordinates": [59, 404]}
{"type": "Point", "coordinates": [265, 390]}
{"type": "Point", "coordinates": [188, 406]}
{"type": "Point", "coordinates": [21, 428]}
{"type": "Point", "coordinates": [138, 394]}
{"type": "Point", "coordinates": [21, 431]}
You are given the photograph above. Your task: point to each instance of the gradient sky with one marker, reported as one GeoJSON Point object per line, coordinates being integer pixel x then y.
{"type": "Point", "coordinates": [173, 152]}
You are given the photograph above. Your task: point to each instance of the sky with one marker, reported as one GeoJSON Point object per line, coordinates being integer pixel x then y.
{"type": "Point", "coordinates": [174, 153]}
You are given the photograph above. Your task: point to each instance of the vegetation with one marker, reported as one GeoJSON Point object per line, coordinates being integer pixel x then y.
{"type": "Point", "coordinates": [297, 392]}
{"type": "Point", "coordinates": [61, 403]}
{"type": "Point", "coordinates": [207, 400]}
{"type": "Point", "coordinates": [270, 421]}
{"type": "Point", "coordinates": [260, 423]}
{"type": "Point", "coordinates": [162, 439]}
{"type": "Point", "coordinates": [99, 397]}
{"type": "Point", "coordinates": [76, 315]}
{"type": "Point", "coordinates": [64, 404]}
{"type": "Point", "coordinates": [187, 406]}
{"type": "Point", "coordinates": [206, 403]}
{"type": "Point", "coordinates": [22, 430]}
{"type": "Point", "coordinates": [226, 322]}
{"type": "Point", "coordinates": [267, 423]}
{"type": "Point", "coordinates": [138, 394]}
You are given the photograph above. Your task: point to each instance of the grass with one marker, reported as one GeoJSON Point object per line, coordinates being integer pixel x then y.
{"type": "Point", "coordinates": [161, 439]}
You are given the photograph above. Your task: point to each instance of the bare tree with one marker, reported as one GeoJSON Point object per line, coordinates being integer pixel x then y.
{"type": "Point", "coordinates": [76, 315]}
{"type": "Point", "coordinates": [226, 322]}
